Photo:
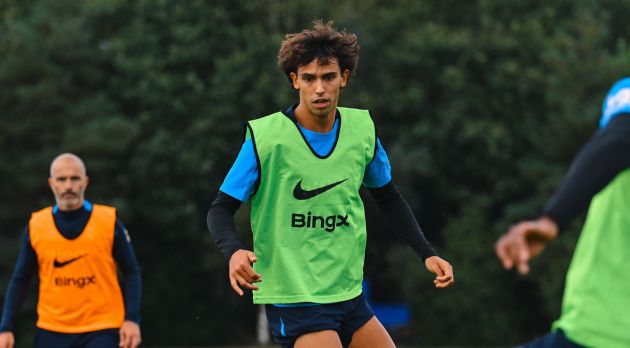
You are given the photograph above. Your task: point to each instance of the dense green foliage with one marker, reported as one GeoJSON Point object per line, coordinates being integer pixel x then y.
{"type": "Point", "coordinates": [481, 106]}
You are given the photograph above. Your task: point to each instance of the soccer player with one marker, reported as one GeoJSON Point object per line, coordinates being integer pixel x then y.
{"type": "Point", "coordinates": [596, 295]}
{"type": "Point", "coordinates": [302, 169]}
{"type": "Point", "coordinates": [76, 247]}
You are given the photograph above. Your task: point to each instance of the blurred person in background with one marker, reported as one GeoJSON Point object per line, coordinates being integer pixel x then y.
{"type": "Point", "coordinates": [302, 168]}
{"type": "Point", "coordinates": [597, 290]}
{"type": "Point", "coordinates": [76, 248]}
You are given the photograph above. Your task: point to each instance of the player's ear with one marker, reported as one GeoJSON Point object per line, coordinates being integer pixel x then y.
{"type": "Point", "coordinates": [294, 78]}
{"type": "Point", "coordinates": [345, 75]}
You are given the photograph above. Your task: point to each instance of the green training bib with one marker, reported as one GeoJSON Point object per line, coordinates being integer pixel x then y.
{"type": "Point", "coordinates": [596, 299]}
{"type": "Point", "coordinates": [307, 216]}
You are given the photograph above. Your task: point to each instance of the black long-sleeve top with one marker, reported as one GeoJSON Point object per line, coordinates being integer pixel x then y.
{"type": "Point", "coordinates": [599, 161]}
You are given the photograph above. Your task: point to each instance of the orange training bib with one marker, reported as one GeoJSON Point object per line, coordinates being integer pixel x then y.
{"type": "Point", "coordinates": [78, 283]}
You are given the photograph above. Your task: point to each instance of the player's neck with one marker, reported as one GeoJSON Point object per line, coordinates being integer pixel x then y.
{"type": "Point", "coordinates": [315, 123]}
{"type": "Point", "coordinates": [69, 208]}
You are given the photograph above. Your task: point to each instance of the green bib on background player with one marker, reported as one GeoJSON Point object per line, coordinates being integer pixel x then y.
{"type": "Point", "coordinates": [307, 217]}
{"type": "Point", "coordinates": [597, 291]}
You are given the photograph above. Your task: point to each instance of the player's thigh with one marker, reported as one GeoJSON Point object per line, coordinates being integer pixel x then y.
{"type": "Point", "coordinates": [326, 338]}
{"type": "Point", "coordinates": [101, 339]}
{"type": "Point", "coordinates": [50, 339]}
{"type": "Point", "coordinates": [371, 334]}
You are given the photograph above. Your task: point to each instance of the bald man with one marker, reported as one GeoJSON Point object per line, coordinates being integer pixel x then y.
{"type": "Point", "coordinates": [76, 248]}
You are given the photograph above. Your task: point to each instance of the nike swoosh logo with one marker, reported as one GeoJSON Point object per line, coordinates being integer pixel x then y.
{"type": "Point", "coordinates": [58, 264]}
{"type": "Point", "coordinates": [302, 194]}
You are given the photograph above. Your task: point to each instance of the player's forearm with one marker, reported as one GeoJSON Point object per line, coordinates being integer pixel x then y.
{"type": "Point", "coordinates": [128, 263]}
{"type": "Point", "coordinates": [401, 220]}
{"type": "Point", "coordinates": [132, 283]}
{"type": "Point", "coordinates": [25, 267]}
{"type": "Point", "coordinates": [16, 291]}
{"type": "Point", "coordinates": [595, 166]}
{"type": "Point", "coordinates": [220, 221]}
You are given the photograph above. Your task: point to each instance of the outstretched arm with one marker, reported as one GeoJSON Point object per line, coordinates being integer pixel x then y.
{"type": "Point", "coordinates": [400, 219]}
{"type": "Point", "coordinates": [595, 166]}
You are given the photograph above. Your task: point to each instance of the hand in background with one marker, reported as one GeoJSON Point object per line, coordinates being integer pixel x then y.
{"type": "Point", "coordinates": [524, 241]}
{"type": "Point", "coordinates": [129, 335]}
{"type": "Point", "coordinates": [6, 339]}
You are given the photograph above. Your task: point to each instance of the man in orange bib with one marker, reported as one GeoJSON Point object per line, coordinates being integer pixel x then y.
{"type": "Point", "coordinates": [76, 248]}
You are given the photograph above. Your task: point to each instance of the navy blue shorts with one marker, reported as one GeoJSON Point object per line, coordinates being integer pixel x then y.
{"type": "Point", "coordinates": [96, 339]}
{"type": "Point", "coordinates": [287, 323]}
{"type": "Point", "coordinates": [555, 339]}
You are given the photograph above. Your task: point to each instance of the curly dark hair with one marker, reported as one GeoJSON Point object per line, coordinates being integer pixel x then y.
{"type": "Point", "coordinates": [321, 42]}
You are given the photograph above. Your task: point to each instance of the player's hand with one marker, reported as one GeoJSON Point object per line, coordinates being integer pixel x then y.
{"type": "Point", "coordinates": [524, 241]}
{"type": "Point", "coordinates": [241, 271]}
{"type": "Point", "coordinates": [443, 271]}
{"type": "Point", "coordinates": [129, 335]}
{"type": "Point", "coordinates": [6, 339]}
